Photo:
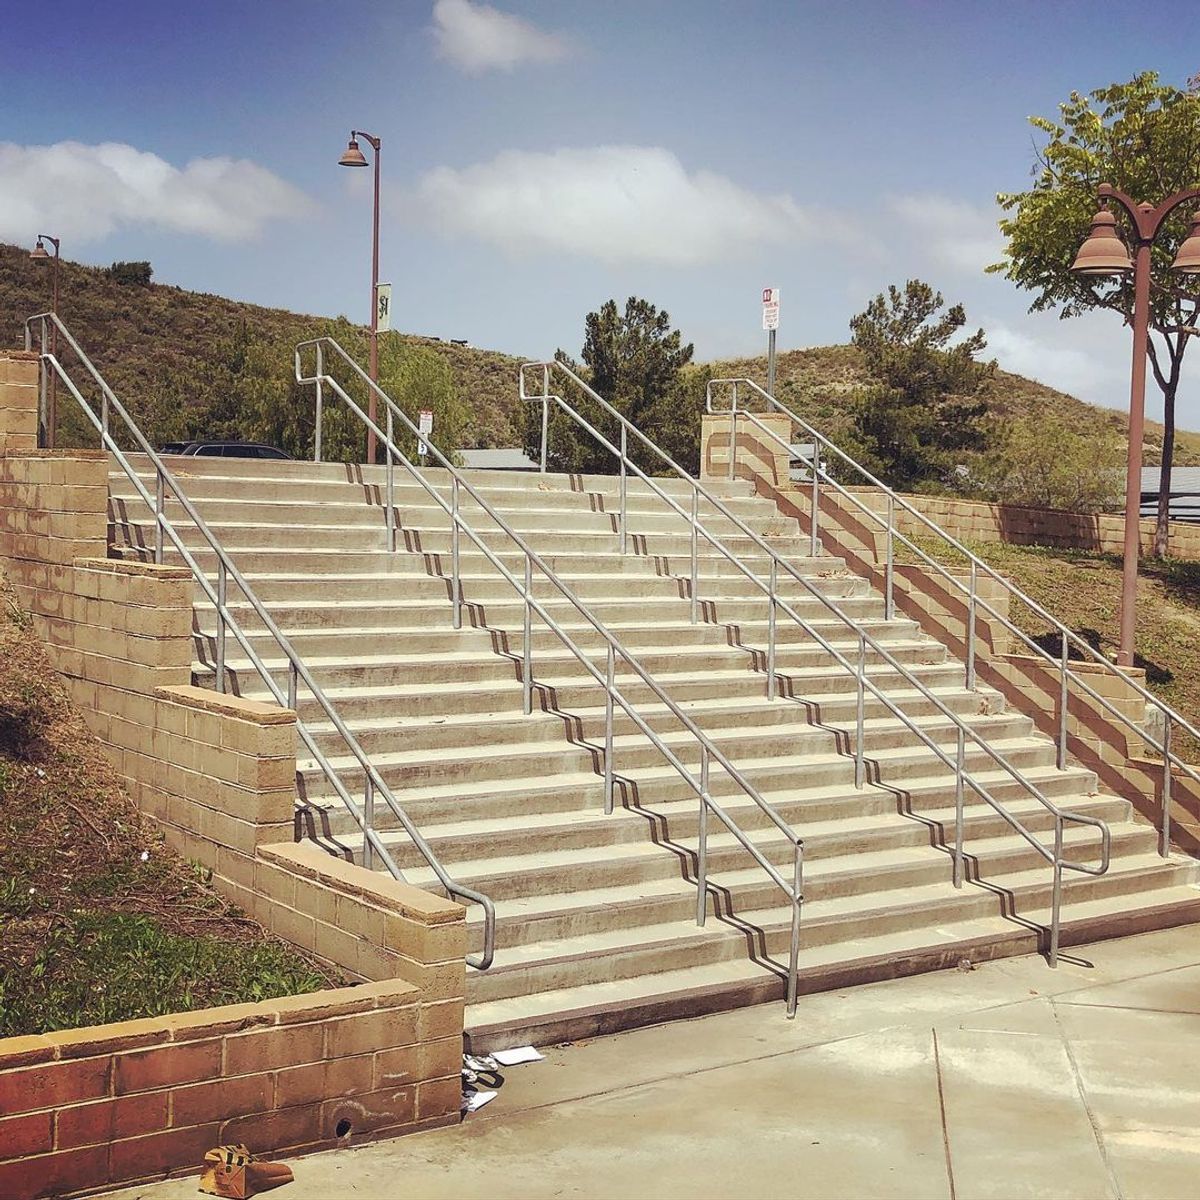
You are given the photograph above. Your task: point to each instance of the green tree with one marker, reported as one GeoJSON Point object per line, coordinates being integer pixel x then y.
{"type": "Point", "coordinates": [641, 366]}
{"type": "Point", "coordinates": [924, 409]}
{"type": "Point", "coordinates": [1044, 460]}
{"type": "Point", "coordinates": [1144, 138]}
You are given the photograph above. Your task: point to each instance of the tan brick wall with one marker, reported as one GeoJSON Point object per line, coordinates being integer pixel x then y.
{"type": "Point", "coordinates": [18, 401]}
{"type": "Point", "coordinates": [1042, 526]}
{"type": "Point", "coordinates": [758, 456]}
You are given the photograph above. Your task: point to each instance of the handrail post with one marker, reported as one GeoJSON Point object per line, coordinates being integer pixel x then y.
{"type": "Point", "coordinates": [222, 590]}
{"type": "Point", "coordinates": [971, 602]}
{"type": "Point", "coordinates": [860, 705]}
{"type": "Point", "coordinates": [771, 632]}
{"type": "Point", "coordinates": [793, 980]}
{"type": "Point", "coordinates": [1062, 703]}
{"type": "Point", "coordinates": [889, 607]}
{"type": "Point", "coordinates": [545, 420]}
{"type": "Point", "coordinates": [1056, 896]}
{"type": "Point", "coordinates": [695, 554]}
{"type": "Point", "coordinates": [319, 374]}
{"type": "Point", "coordinates": [455, 582]}
{"type": "Point", "coordinates": [43, 403]}
{"type": "Point", "coordinates": [293, 686]}
{"type": "Point", "coordinates": [391, 484]}
{"type": "Point", "coordinates": [814, 519]}
{"type": "Point", "coordinates": [959, 768]}
{"type": "Point", "coordinates": [1165, 846]}
{"type": "Point", "coordinates": [610, 683]}
{"type": "Point", "coordinates": [103, 418]}
{"type": "Point", "coordinates": [368, 823]}
{"type": "Point", "coordinates": [732, 431]}
{"type": "Point", "coordinates": [624, 516]}
{"type": "Point", "coordinates": [702, 841]}
{"type": "Point", "coordinates": [159, 502]}
{"type": "Point", "coordinates": [527, 648]}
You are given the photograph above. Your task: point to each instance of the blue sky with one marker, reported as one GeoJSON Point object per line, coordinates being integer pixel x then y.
{"type": "Point", "coordinates": [540, 157]}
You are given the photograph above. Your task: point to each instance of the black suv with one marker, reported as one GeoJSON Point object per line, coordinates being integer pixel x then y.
{"type": "Point", "coordinates": [223, 450]}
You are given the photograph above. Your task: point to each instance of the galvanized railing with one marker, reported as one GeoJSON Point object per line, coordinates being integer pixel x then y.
{"type": "Point", "coordinates": [1067, 638]}
{"type": "Point", "coordinates": [698, 781]}
{"type": "Point", "coordinates": [857, 668]}
{"type": "Point", "coordinates": [166, 484]}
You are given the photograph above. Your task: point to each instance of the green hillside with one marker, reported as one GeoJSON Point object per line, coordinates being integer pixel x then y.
{"type": "Point", "coordinates": [121, 326]}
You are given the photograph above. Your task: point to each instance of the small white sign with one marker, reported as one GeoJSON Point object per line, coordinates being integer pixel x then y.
{"type": "Point", "coordinates": [770, 297]}
{"type": "Point", "coordinates": [425, 427]}
{"type": "Point", "coordinates": [383, 307]}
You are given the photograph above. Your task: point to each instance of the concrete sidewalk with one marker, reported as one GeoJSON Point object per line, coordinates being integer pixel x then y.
{"type": "Point", "coordinates": [1006, 1081]}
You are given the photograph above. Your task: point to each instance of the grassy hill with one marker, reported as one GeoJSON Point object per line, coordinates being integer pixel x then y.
{"type": "Point", "coordinates": [121, 327]}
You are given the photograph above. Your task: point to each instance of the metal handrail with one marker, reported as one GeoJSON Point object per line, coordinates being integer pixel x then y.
{"type": "Point", "coordinates": [614, 648]}
{"type": "Point", "coordinates": [1170, 717]}
{"type": "Point", "coordinates": [297, 671]}
{"type": "Point", "coordinates": [775, 602]}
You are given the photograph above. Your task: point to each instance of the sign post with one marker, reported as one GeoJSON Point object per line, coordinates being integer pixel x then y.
{"type": "Point", "coordinates": [383, 307]}
{"type": "Point", "coordinates": [425, 428]}
{"type": "Point", "coordinates": [770, 303]}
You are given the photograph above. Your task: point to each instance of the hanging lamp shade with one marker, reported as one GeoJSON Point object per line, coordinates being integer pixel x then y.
{"type": "Point", "coordinates": [353, 156]}
{"type": "Point", "coordinates": [1187, 260]}
{"type": "Point", "coordinates": [1104, 253]}
{"type": "Point", "coordinates": [39, 251]}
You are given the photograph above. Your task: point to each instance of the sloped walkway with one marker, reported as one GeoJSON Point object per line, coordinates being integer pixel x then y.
{"type": "Point", "coordinates": [1006, 1081]}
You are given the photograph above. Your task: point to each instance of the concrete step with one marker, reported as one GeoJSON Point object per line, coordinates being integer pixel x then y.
{"type": "Point", "coordinates": [569, 1013]}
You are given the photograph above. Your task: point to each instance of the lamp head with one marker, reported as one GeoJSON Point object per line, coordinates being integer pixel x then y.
{"type": "Point", "coordinates": [39, 251]}
{"type": "Point", "coordinates": [353, 156]}
{"type": "Point", "coordinates": [1104, 253]}
{"type": "Point", "coordinates": [1187, 260]}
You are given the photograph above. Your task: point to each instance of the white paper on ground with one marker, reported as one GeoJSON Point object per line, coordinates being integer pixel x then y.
{"type": "Point", "coordinates": [516, 1056]}
{"type": "Point", "coordinates": [476, 1100]}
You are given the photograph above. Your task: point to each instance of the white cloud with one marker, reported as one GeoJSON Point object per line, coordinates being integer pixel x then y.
{"type": "Point", "coordinates": [612, 203]}
{"type": "Point", "coordinates": [957, 235]}
{"type": "Point", "coordinates": [81, 193]}
{"type": "Point", "coordinates": [478, 37]}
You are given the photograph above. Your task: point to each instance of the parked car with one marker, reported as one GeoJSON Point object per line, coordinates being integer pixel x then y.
{"type": "Point", "coordinates": [224, 450]}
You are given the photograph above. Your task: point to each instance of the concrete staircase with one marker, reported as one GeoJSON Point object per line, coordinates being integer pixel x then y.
{"type": "Point", "coordinates": [596, 914]}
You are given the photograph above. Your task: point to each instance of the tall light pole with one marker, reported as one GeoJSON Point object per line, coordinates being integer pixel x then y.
{"type": "Point", "coordinates": [38, 254]}
{"type": "Point", "coordinates": [1104, 253]}
{"type": "Point", "coordinates": [354, 157]}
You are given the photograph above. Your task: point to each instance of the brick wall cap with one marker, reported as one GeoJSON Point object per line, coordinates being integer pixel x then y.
{"type": "Point", "coordinates": [44, 452]}
{"type": "Point", "coordinates": [94, 1040]}
{"type": "Point", "coordinates": [213, 1022]}
{"type": "Point", "coordinates": [259, 712]}
{"type": "Point", "coordinates": [25, 1050]}
{"type": "Point", "coordinates": [20, 355]}
{"type": "Point", "coordinates": [119, 566]}
{"type": "Point", "coordinates": [351, 879]}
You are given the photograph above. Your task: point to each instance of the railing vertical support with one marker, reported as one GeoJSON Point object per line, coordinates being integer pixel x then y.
{"type": "Point", "coordinates": [889, 605]}
{"type": "Point", "coordinates": [455, 581]}
{"type": "Point", "coordinates": [159, 503]}
{"type": "Point", "coordinates": [545, 425]}
{"type": "Point", "coordinates": [771, 632]}
{"type": "Point", "coordinates": [814, 522]}
{"type": "Point", "coordinates": [391, 486]}
{"type": "Point", "coordinates": [104, 419]}
{"type": "Point", "coordinates": [695, 555]}
{"type": "Point", "coordinates": [1056, 897]}
{"type": "Point", "coordinates": [222, 596]}
{"type": "Point", "coordinates": [624, 515]}
{"type": "Point", "coordinates": [527, 648]}
{"type": "Point", "coordinates": [368, 823]}
{"type": "Point", "coordinates": [293, 686]}
{"type": "Point", "coordinates": [319, 374]}
{"type": "Point", "coordinates": [1165, 846]}
{"type": "Point", "coordinates": [960, 765]}
{"type": "Point", "coordinates": [732, 434]}
{"type": "Point", "coordinates": [860, 772]}
{"type": "Point", "coordinates": [1063, 698]}
{"type": "Point", "coordinates": [793, 980]}
{"type": "Point", "coordinates": [702, 842]}
{"type": "Point", "coordinates": [610, 684]}
{"type": "Point", "coordinates": [971, 603]}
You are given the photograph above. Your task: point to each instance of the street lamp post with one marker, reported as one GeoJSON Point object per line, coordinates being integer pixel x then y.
{"type": "Point", "coordinates": [38, 254]}
{"type": "Point", "coordinates": [354, 157]}
{"type": "Point", "coordinates": [1104, 253]}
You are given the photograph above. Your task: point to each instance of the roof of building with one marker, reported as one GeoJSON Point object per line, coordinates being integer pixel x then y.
{"type": "Point", "coordinates": [502, 459]}
{"type": "Point", "coordinates": [1183, 479]}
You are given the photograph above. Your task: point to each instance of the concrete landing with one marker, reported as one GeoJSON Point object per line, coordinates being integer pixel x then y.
{"type": "Point", "coordinates": [1010, 1080]}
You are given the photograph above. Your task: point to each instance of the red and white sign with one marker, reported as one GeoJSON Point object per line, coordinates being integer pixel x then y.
{"type": "Point", "coordinates": [770, 308]}
{"type": "Point", "coordinates": [425, 427]}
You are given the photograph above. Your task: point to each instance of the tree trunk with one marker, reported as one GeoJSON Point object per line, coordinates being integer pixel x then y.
{"type": "Point", "coordinates": [1170, 385]}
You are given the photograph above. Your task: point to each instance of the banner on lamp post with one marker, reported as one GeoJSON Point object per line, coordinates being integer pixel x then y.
{"type": "Point", "coordinates": [383, 307]}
